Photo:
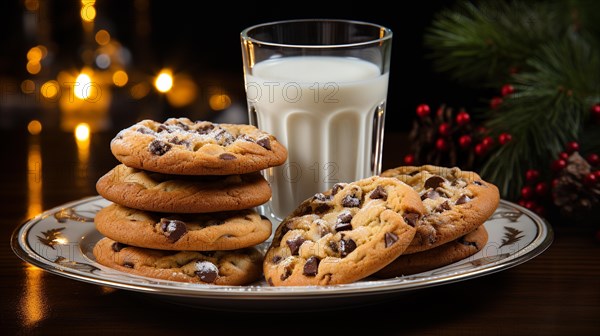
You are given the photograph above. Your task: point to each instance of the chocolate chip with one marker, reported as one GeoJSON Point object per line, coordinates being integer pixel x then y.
{"type": "Point", "coordinates": [463, 199]}
{"type": "Point", "coordinates": [343, 221]}
{"type": "Point", "coordinates": [206, 271]}
{"type": "Point", "coordinates": [343, 227]}
{"type": "Point", "coordinates": [227, 156]}
{"type": "Point", "coordinates": [270, 282]}
{"type": "Point", "coordinates": [344, 217]}
{"type": "Point", "coordinates": [205, 129]}
{"type": "Point", "coordinates": [264, 142]}
{"type": "Point", "coordinates": [434, 182]}
{"type": "Point", "coordinates": [443, 207]}
{"type": "Point", "coordinates": [294, 244]}
{"type": "Point", "coordinates": [320, 197]}
{"type": "Point", "coordinates": [337, 187]}
{"type": "Point", "coordinates": [183, 126]}
{"type": "Point", "coordinates": [177, 141]}
{"type": "Point", "coordinates": [311, 267]}
{"type": "Point", "coordinates": [173, 229]}
{"type": "Point", "coordinates": [163, 128]}
{"type": "Point", "coordinates": [346, 247]}
{"type": "Point", "coordinates": [411, 218]}
{"type": "Point", "coordinates": [379, 193]}
{"type": "Point", "coordinates": [286, 227]}
{"type": "Point", "coordinates": [390, 239]}
{"type": "Point", "coordinates": [128, 264]}
{"type": "Point", "coordinates": [333, 246]}
{"type": "Point", "coordinates": [350, 201]}
{"type": "Point", "coordinates": [286, 274]}
{"type": "Point", "coordinates": [158, 147]}
{"type": "Point", "coordinates": [145, 130]}
{"type": "Point", "coordinates": [117, 247]}
{"type": "Point", "coordinates": [430, 194]}
{"type": "Point", "coordinates": [276, 259]}
{"type": "Point", "coordinates": [224, 137]}
{"type": "Point", "coordinates": [479, 183]}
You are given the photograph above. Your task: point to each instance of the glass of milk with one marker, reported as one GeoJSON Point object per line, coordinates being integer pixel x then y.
{"type": "Point", "coordinates": [320, 86]}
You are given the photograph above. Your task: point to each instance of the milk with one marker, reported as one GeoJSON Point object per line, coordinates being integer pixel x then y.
{"type": "Point", "coordinates": [328, 112]}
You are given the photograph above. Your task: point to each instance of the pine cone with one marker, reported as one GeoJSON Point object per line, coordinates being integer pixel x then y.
{"type": "Point", "coordinates": [571, 195]}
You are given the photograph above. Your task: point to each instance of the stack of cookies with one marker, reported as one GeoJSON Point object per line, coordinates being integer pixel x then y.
{"type": "Point", "coordinates": [183, 201]}
{"type": "Point", "coordinates": [405, 221]}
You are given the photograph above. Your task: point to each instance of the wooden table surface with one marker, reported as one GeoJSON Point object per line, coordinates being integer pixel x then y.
{"type": "Point", "coordinates": [556, 293]}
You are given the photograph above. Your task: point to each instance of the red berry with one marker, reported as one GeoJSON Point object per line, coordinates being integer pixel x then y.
{"type": "Point", "coordinates": [590, 179]}
{"type": "Point", "coordinates": [444, 129]}
{"type": "Point", "coordinates": [487, 142]}
{"type": "Point", "coordinates": [522, 202]}
{"type": "Point", "coordinates": [541, 189]}
{"type": "Point", "coordinates": [495, 102]}
{"type": "Point", "coordinates": [423, 110]}
{"type": "Point", "coordinates": [597, 173]}
{"type": "Point", "coordinates": [527, 192]}
{"type": "Point", "coordinates": [507, 89]}
{"type": "Point", "coordinates": [463, 118]}
{"type": "Point", "coordinates": [480, 149]}
{"type": "Point", "coordinates": [559, 164]}
{"type": "Point", "coordinates": [563, 155]}
{"type": "Point", "coordinates": [530, 205]}
{"type": "Point", "coordinates": [531, 175]}
{"type": "Point", "coordinates": [593, 159]}
{"type": "Point", "coordinates": [555, 183]}
{"type": "Point", "coordinates": [596, 110]}
{"type": "Point", "coordinates": [572, 147]}
{"type": "Point", "coordinates": [409, 159]}
{"type": "Point", "coordinates": [504, 138]}
{"type": "Point", "coordinates": [441, 144]}
{"type": "Point", "coordinates": [464, 141]}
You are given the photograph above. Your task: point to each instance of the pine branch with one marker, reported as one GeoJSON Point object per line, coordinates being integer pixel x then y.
{"type": "Point", "coordinates": [550, 109]}
{"type": "Point", "coordinates": [480, 44]}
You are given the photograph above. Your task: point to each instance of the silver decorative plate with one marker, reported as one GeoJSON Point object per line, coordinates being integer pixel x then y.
{"type": "Point", "coordinates": [61, 240]}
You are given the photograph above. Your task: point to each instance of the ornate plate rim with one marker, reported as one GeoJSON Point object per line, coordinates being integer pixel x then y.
{"type": "Point", "coordinates": [20, 247]}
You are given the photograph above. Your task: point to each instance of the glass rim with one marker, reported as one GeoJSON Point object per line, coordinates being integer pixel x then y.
{"type": "Point", "coordinates": [388, 34]}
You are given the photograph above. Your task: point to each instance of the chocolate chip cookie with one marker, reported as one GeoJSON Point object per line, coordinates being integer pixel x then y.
{"type": "Point", "coordinates": [344, 234]}
{"type": "Point", "coordinates": [144, 190]}
{"type": "Point", "coordinates": [457, 202]}
{"type": "Point", "coordinates": [183, 232]}
{"type": "Point", "coordinates": [238, 267]}
{"type": "Point", "coordinates": [442, 255]}
{"type": "Point", "coordinates": [183, 147]}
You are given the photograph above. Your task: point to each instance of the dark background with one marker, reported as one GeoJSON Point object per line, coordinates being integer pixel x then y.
{"type": "Point", "coordinates": [204, 41]}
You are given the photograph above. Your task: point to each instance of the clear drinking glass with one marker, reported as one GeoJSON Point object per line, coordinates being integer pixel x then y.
{"type": "Point", "coordinates": [320, 86]}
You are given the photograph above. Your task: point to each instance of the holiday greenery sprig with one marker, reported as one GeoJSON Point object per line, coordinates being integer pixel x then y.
{"type": "Point", "coordinates": [549, 53]}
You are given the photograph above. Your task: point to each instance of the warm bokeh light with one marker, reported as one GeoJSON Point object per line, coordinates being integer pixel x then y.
{"type": "Point", "coordinates": [82, 87]}
{"type": "Point", "coordinates": [164, 81]}
{"type": "Point", "coordinates": [34, 67]}
{"type": "Point", "coordinates": [33, 307]}
{"type": "Point", "coordinates": [219, 102]}
{"type": "Point", "coordinates": [184, 91]}
{"type": "Point", "coordinates": [32, 5]}
{"type": "Point", "coordinates": [50, 89]}
{"type": "Point", "coordinates": [27, 86]}
{"type": "Point", "coordinates": [34, 177]}
{"type": "Point", "coordinates": [140, 90]}
{"type": "Point", "coordinates": [102, 37]}
{"type": "Point", "coordinates": [34, 127]}
{"type": "Point", "coordinates": [82, 132]}
{"type": "Point", "coordinates": [88, 2]}
{"type": "Point", "coordinates": [35, 54]}
{"type": "Point", "coordinates": [88, 13]}
{"type": "Point", "coordinates": [120, 78]}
